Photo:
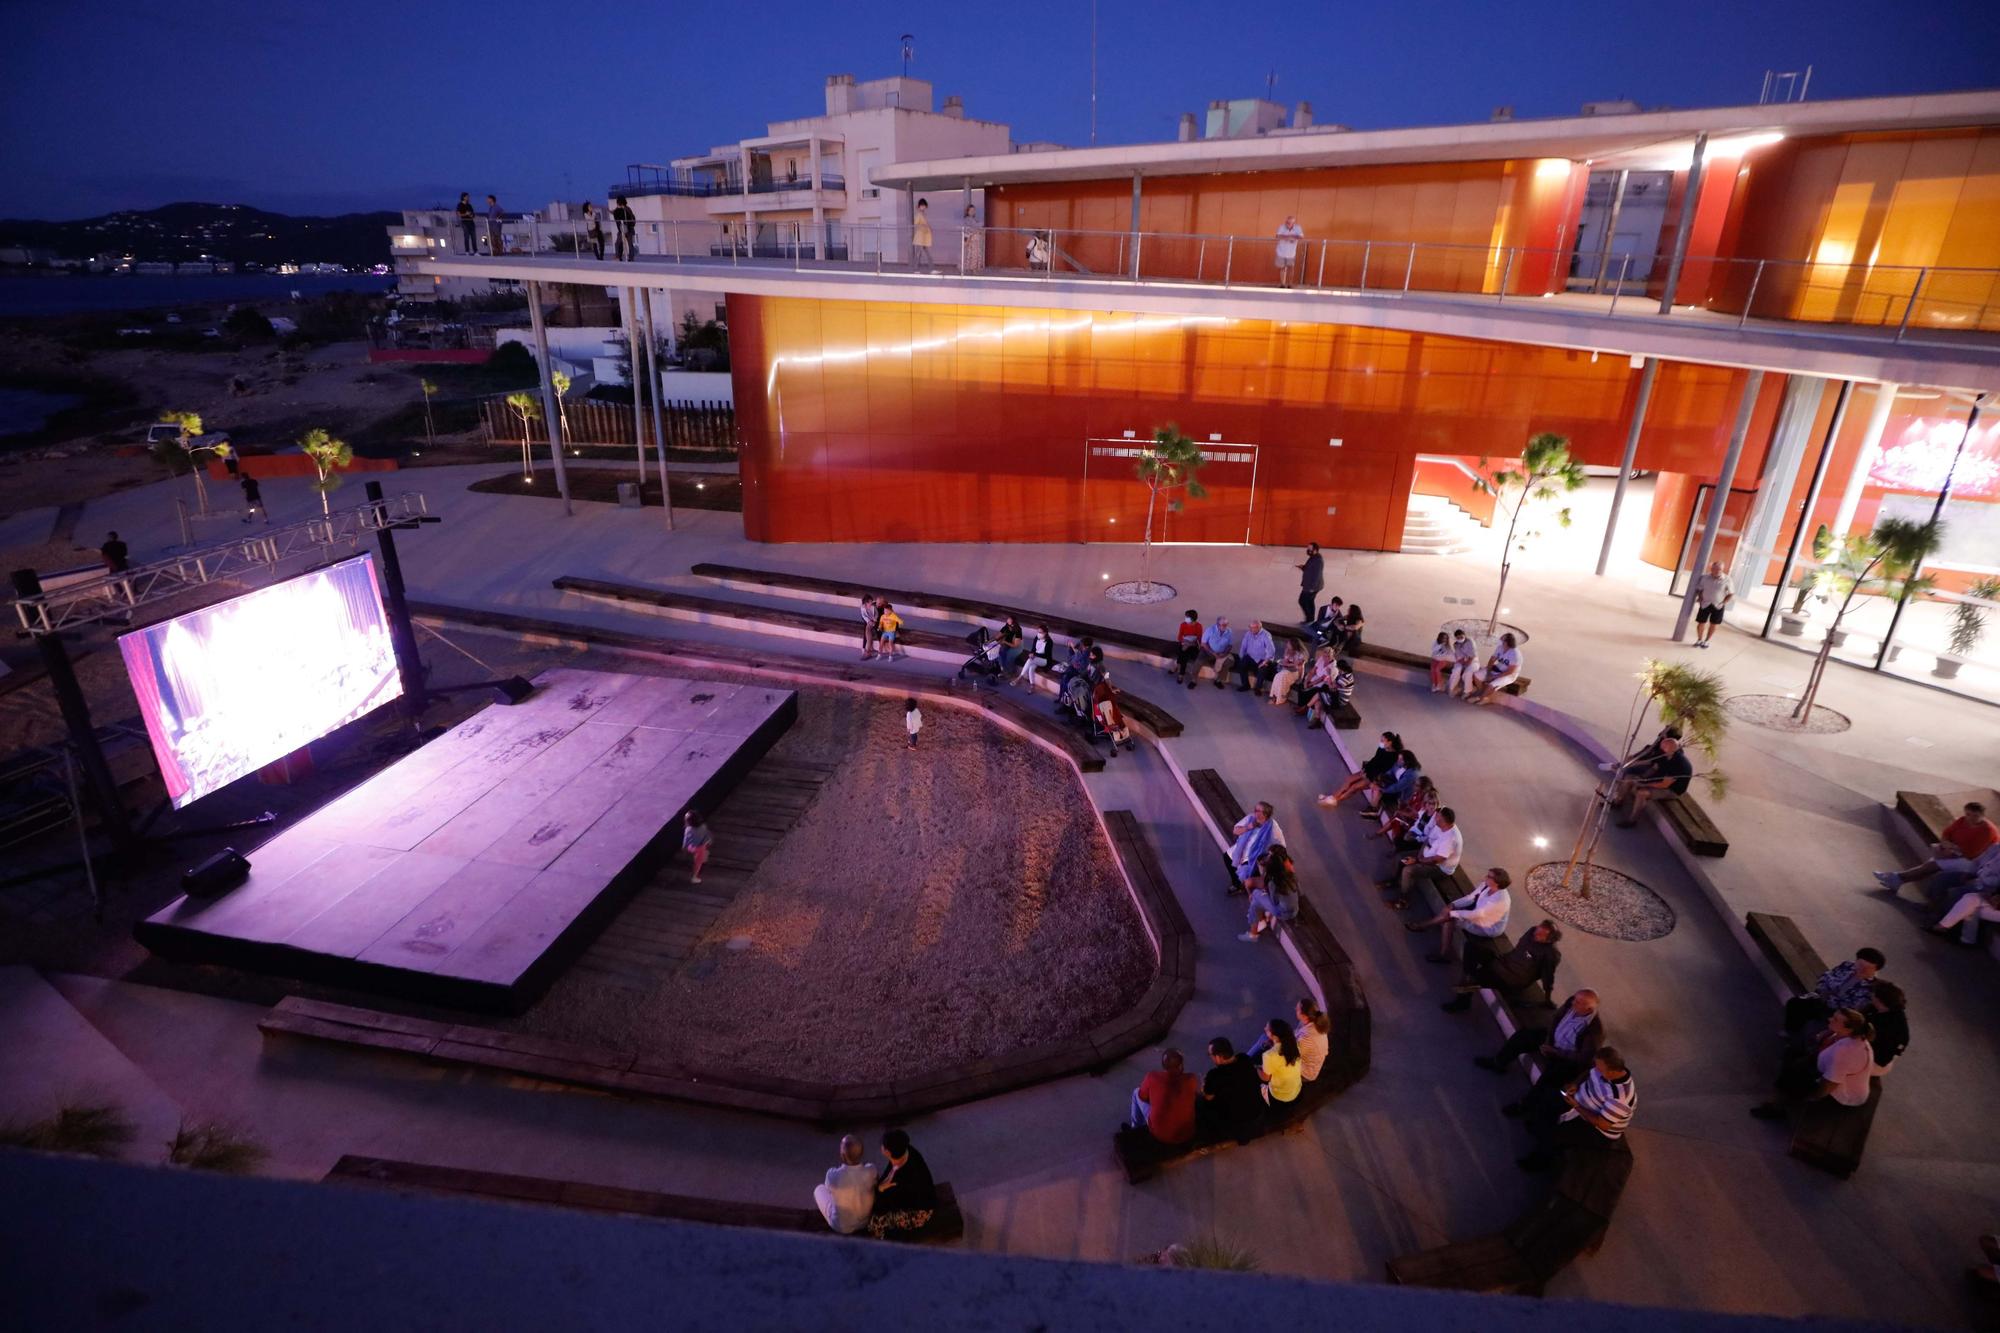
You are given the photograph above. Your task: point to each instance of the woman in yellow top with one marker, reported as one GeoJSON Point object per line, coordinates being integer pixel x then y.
{"type": "Point", "coordinates": [886, 626]}
{"type": "Point", "coordinates": [920, 237]}
{"type": "Point", "coordinates": [1281, 1072]}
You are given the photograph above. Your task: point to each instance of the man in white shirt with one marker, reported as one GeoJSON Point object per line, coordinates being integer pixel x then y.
{"type": "Point", "coordinates": [1481, 914]}
{"type": "Point", "coordinates": [1435, 861]}
{"type": "Point", "coordinates": [848, 1196]}
{"type": "Point", "coordinates": [1289, 236]}
{"type": "Point", "coordinates": [1712, 595]}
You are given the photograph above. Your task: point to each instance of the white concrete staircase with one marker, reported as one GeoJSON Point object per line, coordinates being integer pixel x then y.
{"type": "Point", "coordinates": [1436, 526]}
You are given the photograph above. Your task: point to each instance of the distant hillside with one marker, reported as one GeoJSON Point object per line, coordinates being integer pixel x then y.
{"type": "Point", "coordinates": [235, 232]}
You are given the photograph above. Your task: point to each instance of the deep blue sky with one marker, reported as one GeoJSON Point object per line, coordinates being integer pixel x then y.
{"type": "Point", "coordinates": [318, 108]}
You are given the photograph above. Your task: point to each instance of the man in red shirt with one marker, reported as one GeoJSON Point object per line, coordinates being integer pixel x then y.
{"type": "Point", "coordinates": [1164, 1103]}
{"type": "Point", "coordinates": [1965, 840]}
{"type": "Point", "coordinates": [1187, 643]}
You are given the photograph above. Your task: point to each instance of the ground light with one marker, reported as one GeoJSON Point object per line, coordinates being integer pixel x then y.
{"type": "Point", "coordinates": [1540, 841]}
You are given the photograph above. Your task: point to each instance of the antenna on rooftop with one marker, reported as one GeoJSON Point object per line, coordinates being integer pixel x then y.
{"type": "Point", "coordinates": [1271, 86]}
{"type": "Point", "coordinates": [909, 51]}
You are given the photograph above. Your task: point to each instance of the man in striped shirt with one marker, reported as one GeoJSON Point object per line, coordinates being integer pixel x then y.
{"type": "Point", "coordinates": [1594, 1111]}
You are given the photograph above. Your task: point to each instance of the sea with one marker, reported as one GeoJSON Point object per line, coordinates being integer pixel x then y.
{"type": "Point", "coordinates": [75, 293]}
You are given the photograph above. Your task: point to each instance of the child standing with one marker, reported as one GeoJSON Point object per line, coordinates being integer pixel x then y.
{"type": "Point", "coordinates": [695, 841]}
{"type": "Point", "coordinates": [886, 625]}
{"type": "Point", "coordinates": [871, 609]}
{"type": "Point", "coordinates": [913, 720]}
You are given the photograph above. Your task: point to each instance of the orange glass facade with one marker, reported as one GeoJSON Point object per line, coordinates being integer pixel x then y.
{"type": "Point", "coordinates": [879, 421]}
{"type": "Point", "coordinates": [1481, 206]}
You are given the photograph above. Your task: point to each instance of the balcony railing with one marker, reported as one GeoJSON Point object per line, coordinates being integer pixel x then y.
{"type": "Point", "coordinates": [1948, 306]}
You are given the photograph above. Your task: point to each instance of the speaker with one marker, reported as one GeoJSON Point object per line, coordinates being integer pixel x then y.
{"type": "Point", "coordinates": [512, 690]}
{"type": "Point", "coordinates": [218, 874]}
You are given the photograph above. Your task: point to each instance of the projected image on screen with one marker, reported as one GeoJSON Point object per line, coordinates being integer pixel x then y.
{"type": "Point", "coordinates": [230, 688]}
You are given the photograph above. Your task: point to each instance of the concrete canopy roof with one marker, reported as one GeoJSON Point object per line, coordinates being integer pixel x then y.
{"type": "Point", "coordinates": [1642, 138]}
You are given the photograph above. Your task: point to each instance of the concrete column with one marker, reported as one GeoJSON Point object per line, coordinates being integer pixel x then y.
{"type": "Point", "coordinates": [1631, 454]}
{"type": "Point", "coordinates": [1864, 462]}
{"type": "Point", "coordinates": [1687, 224]}
{"type": "Point", "coordinates": [1610, 227]}
{"type": "Point", "coordinates": [659, 431]}
{"type": "Point", "coordinates": [1720, 499]}
{"type": "Point", "coordinates": [1774, 488]}
{"type": "Point", "coordinates": [551, 416]}
{"type": "Point", "coordinates": [1135, 227]}
{"type": "Point", "coordinates": [819, 209]}
{"type": "Point", "coordinates": [627, 297]}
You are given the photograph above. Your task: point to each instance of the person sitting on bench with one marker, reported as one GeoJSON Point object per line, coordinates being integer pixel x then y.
{"type": "Point", "coordinates": [1407, 825]}
{"type": "Point", "coordinates": [1232, 1095]}
{"type": "Point", "coordinates": [1965, 840]}
{"type": "Point", "coordinates": [1464, 664]}
{"type": "Point", "coordinates": [1255, 834]}
{"type": "Point", "coordinates": [905, 1196]}
{"type": "Point", "coordinates": [1850, 985]}
{"type": "Point", "coordinates": [1280, 1070]}
{"type": "Point", "coordinates": [1891, 1022]}
{"type": "Point", "coordinates": [1385, 794]}
{"type": "Point", "coordinates": [1104, 706]}
{"type": "Point", "coordinates": [1973, 906]}
{"type": "Point", "coordinates": [1482, 913]}
{"type": "Point", "coordinates": [1256, 659]}
{"type": "Point", "coordinates": [1836, 1067]}
{"type": "Point", "coordinates": [1594, 1111]}
{"type": "Point", "coordinates": [1434, 863]}
{"type": "Point", "coordinates": [1501, 670]}
{"type": "Point", "coordinates": [1373, 769]}
{"type": "Point", "coordinates": [1217, 651]}
{"type": "Point", "coordinates": [1276, 897]}
{"type": "Point", "coordinates": [1328, 627]}
{"type": "Point", "coordinates": [1530, 963]}
{"type": "Point", "coordinates": [1665, 774]}
{"type": "Point", "coordinates": [1291, 666]}
{"type": "Point", "coordinates": [1335, 691]}
{"type": "Point", "coordinates": [848, 1196]}
{"type": "Point", "coordinates": [1564, 1049]}
{"type": "Point", "coordinates": [1163, 1103]}
{"type": "Point", "coordinates": [1311, 1035]}
{"type": "Point", "coordinates": [1187, 644]}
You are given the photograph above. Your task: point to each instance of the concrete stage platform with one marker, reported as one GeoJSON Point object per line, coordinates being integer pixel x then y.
{"type": "Point", "coordinates": [470, 872]}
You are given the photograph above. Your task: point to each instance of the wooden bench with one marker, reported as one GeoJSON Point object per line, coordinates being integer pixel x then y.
{"type": "Point", "coordinates": [1692, 825]}
{"type": "Point", "coordinates": [947, 1220]}
{"type": "Point", "coordinates": [1929, 813]}
{"type": "Point", "coordinates": [1799, 964]}
{"type": "Point", "coordinates": [1490, 1265]}
{"type": "Point", "coordinates": [1219, 803]}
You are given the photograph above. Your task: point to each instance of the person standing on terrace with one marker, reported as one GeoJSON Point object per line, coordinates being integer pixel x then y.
{"type": "Point", "coordinates": [920, 237]}
{"type": "Point", "coordinates": [1289, 236]}
{"type": "Point", "coordinates": [628, 226]}
{"type": "Point", "coordinates": [496, 241]}
{"type": "Point", "coordinates": [465, 223]}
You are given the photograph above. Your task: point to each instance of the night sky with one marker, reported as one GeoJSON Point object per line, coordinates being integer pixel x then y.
{"type": "Point", "coordinates": [327, 108]}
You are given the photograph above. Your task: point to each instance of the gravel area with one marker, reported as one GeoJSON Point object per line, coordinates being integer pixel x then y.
{"type": "Point", "coordinates": [1618, 908]}
{"type": "Point", "coordinates": [1774, 713]}
{"type": "Point", "coordinates": [931, 909]}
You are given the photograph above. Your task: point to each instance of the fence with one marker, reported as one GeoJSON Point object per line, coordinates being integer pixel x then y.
{"type": "Point", "coordinates": [587, 421]}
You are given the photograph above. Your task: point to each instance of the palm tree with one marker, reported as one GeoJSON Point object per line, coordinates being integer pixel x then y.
{"type": "Point", "coordinates": [190, 431]}
{"type": "Point", "coordinates": [1882, 564]}
{"type": "Point", "coordinates": [529, 411]}
{"type": "Point", "coordinates": [1686, 698]}
{"type": "Point", "coordinates": [1545, 465]}
{"type": "Point", "coordinates": [1167, 464]}
{"type": "Point", "coordinates": [430, 430]}
{"type": "Point", "coordinates": [328, 456]}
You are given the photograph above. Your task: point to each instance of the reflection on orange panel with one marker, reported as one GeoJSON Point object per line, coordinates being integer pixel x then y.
{"type": "Point", "coordinates": [878, 421]}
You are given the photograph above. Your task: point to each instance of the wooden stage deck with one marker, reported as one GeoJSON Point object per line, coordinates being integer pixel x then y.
{"type": "Point", "coordinates": [470, 872]}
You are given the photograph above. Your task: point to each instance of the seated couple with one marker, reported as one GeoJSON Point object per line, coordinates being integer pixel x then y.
{"type": "Point", "coordinates": [1327, 683]}
{"type": "Point", "coordinates": [1502, 669]}
{"type": "Point", "coordinates": [1387, 779]}
{"type": "Point", "coordinates": [896, 1199]}
{"type": "Point", "coordinates": [1233, 1099]}
{"type": "Point", "coordinates": [1962, 875]}
{"type": "Point", "coordinates": [1659, 770]}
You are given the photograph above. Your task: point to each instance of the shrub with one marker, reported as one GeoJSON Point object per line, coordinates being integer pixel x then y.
{"type": "Point", "coordinates": [247, 324]}
{"type": "Point", "coordinates": [95, 1131]}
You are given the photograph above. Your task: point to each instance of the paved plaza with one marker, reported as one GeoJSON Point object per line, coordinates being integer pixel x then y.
{"type": "Point", "coordinates": [1717, 1216]}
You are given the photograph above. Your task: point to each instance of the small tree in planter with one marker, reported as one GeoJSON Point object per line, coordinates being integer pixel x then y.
{"type": "Point", "coordinates": [1808, 583]}
{"type": "Point", "coordinates": [561, 383]}
{"type": "Point", "coordinates": [430, 427]}
{"type": "Point", "coordinates": [1686, 698]}
{"type": "Point", "coordinates": [1968, 627]}
{"type": "Point", "coordinates": [1167, 465]}
{"type": "Point", "coordinates": [1545, 467]}
{"type": "Point", "coordinates": [1881, 564]}
{"type": "Point", "coordinates": [328, 456]}
{"type": "Point", "coordinates": [184, 452]}
{"type": "Point", "coordinates": [528, 411]}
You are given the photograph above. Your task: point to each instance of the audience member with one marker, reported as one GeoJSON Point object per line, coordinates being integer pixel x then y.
{"type": "Point", "coordinates": [1232, 1095]}
{"type": "Point", "coordinates": [1502, 669]}
{"type": "Point", "coordinates": [1835, 1066]}
{"type": "Point", "coordinates": [117, 555]}
{"type": "Point", "coordinates": [1335, 691]}
{"type": "Point", "coordinates": [1291, 666]}
{"type": "Point", "coordinates": [1406, 826]}
{"type": "Point", "coordinates": [887, 626]}
{"type": "Point", "coordinates": [1891, 1023]}
{"type": "Point", "coordinates": [848, 1196]}
{"type": "Point", "coordinates": [1665, 774]}
{"type": "Point", "coordinates": [1394, 788]}
{"type": "Point", "coordinates": [1163, 1103]}
{"type": "Point", "coordinates": [1531, 962]}
{"type": "Point", "coordinates": [1187, 644]}
{"type": "Point", "coordinates": [1104, 704]}
{"type": "Point", "coordinates": [1312, 578]}
{"type": "Point", "coordinates": [1255, 834]}
{"type": "Point", "coordinates": [1972, 907]}
{"type": "Point", "coordinates": [1373, 769]}
{"type": "Point", "coordinates": [1434, 863]}
{"type": "Point", "coordinates": [1482, 914]}
{"type": "Point", "coordinates": [1040, 657]}
{"type": "Point", "coordinates": [1440, 662]}
{"type": "Point", "coordinates": [1595, 1110]}
{"type": "Point", "coordinates": [1217, 651]}
{"type": "Point", "coordinates": [1849, 985]}
{"type": "Point", "coordinates": [1564, 1049]}
{"type": "Point", "coordinates": [1280, 1071]}
{"type": "Point", "coordinates": [1328, 626]}
{"type": "Point", "coordinates": [1008, 636]}
{"type": "Point", "coordinates": [1319, 673]}
{"type": "Point", "coordinates": [871, 612]}
{"type": "Point", "coordinates": [1464, 663]}
{"type": "Point", "coordinates": [1276, 896]}
{"type": "Point", "coordinates": [1351, 626]}
{"type": "Point", "coordinates": [1256, 659]}
{"type": "Point", "coordinates": [1965, 840]}
{"type": "Point", "coordinates": [906, 1195]}
{"type": "Point", "coordinates": [1311, 1034]}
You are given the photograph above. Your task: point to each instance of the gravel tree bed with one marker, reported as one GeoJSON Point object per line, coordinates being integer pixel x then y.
{"type": "Point", "coordinates": [931, 909]}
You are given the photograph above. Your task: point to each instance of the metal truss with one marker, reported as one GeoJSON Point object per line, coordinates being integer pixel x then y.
{"type": "Point", "coordinates": [118, 596]}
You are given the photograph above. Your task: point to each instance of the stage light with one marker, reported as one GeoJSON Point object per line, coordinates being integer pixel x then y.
{"type": "Point", "coordinates": [1540, 841]}
{"type": "Point", "coordinates": [1105, 577]}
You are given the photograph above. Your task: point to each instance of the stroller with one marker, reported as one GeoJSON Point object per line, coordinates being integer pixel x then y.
{"type": "Point", "coordinates": [1073, 701]}
{"type": "Point", "coordinates": [984, 664]}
